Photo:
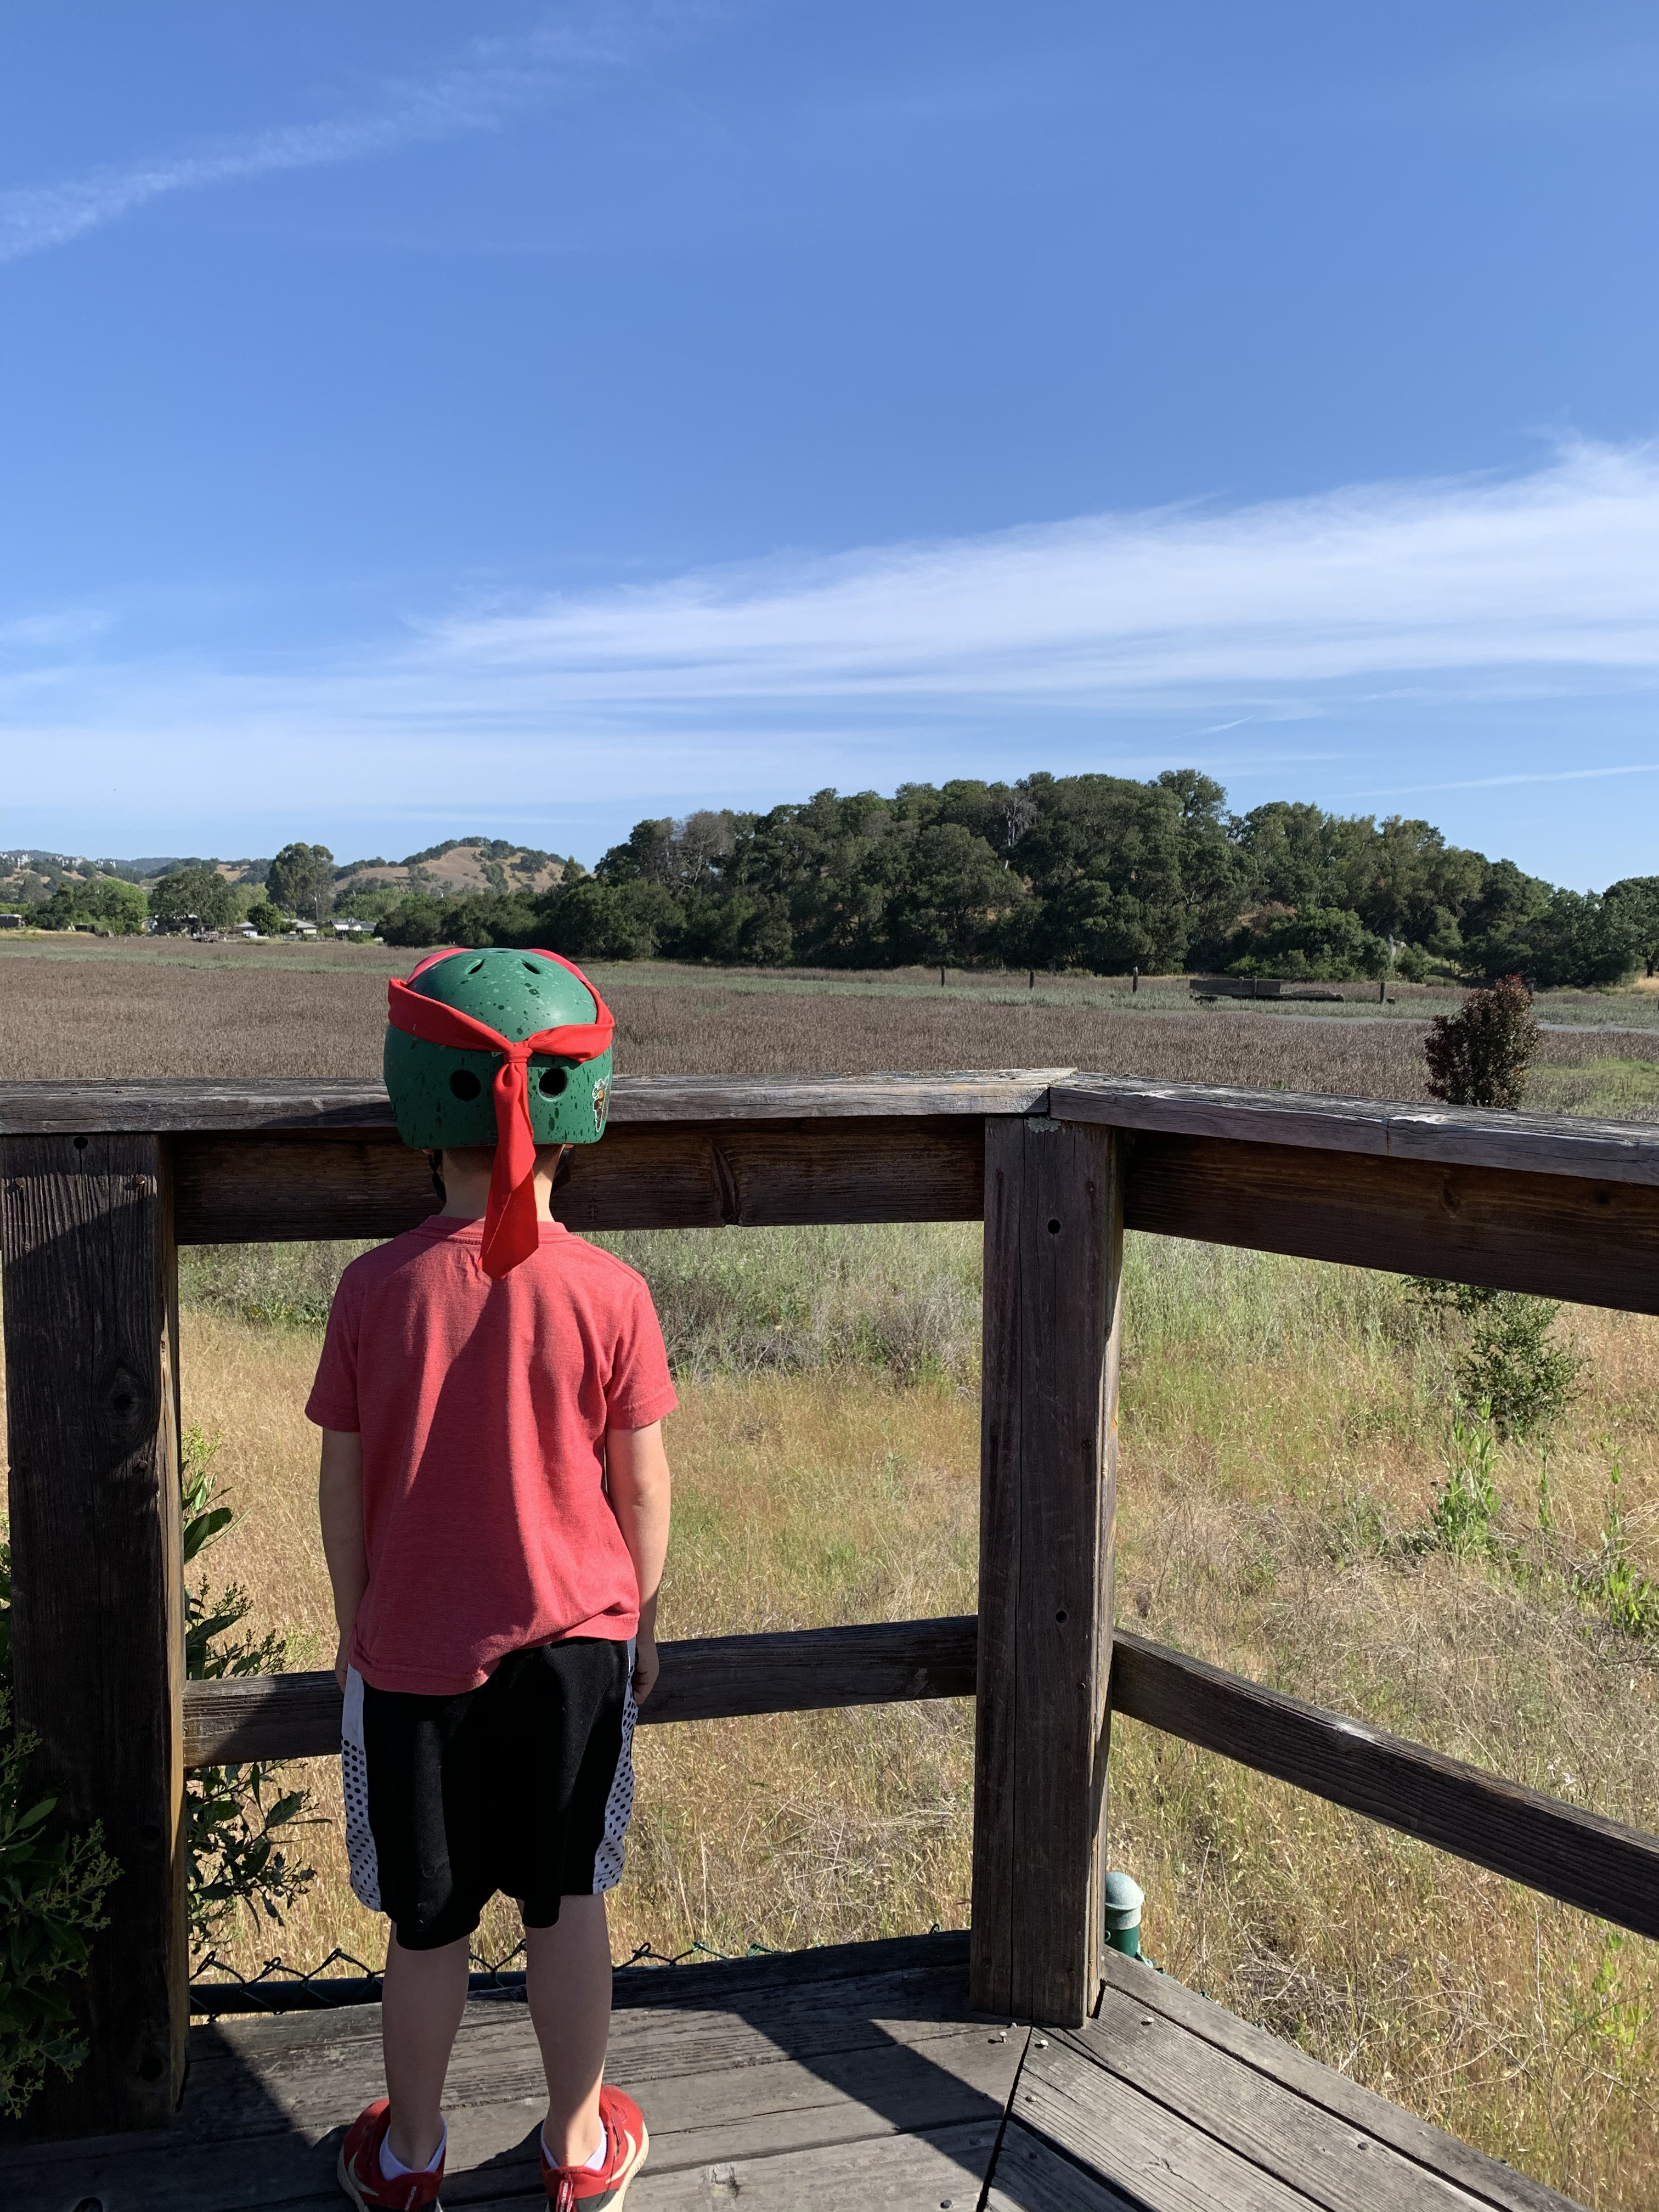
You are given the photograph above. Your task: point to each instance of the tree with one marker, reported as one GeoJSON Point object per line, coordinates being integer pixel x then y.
{"type": "Point", "coordinates": [300, 880]}
{"type": "Point", "coordinates": [112, 905]}
{"type": "Point", "coordinates": [1479, 1056]}
{"type": "Point", "coordinates": [267, 918]}
{"type": "Point", "coordinates": [191, 897]}
{"type": "Point", "coordinates": [1633, 902]}
{"type": "Point", "coordinates": [1320, 941]}
{"type": "Point", "coordinates": [1575, 938]}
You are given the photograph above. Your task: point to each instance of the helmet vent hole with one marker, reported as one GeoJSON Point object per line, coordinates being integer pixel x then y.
{"type": "Point", "coordinates": [553, 1081]}
{"type": "Point", "coordinates": [532, 969]}
{"type": "Point", "coordinates": [464, 1084]}
{"type": "Point", "coordinates": [474, 969]}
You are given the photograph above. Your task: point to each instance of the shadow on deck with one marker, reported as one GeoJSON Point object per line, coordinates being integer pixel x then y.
{"type": "Point", "coordinates": [837, 2080]}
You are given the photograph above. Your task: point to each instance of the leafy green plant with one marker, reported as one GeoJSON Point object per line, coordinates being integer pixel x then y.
{"type": "Point", "coordinates": [1613, 1584]}
{"type": "Point", "coordinates": [52, 1895]}
{"type": "Point", "coordinates": [1508, 1361]}
{"type": "Point", "coordinates": [1462, 1517]}
{"type": "Point", "coordinates": [234, 1816]}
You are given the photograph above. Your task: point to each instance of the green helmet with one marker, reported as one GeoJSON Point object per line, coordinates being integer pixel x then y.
{"type": "Point", "coordinates": [443, 1094]}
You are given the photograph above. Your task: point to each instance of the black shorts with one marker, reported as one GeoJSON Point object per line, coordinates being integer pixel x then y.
{"type": "Point", "coordinates": [524, 1785]}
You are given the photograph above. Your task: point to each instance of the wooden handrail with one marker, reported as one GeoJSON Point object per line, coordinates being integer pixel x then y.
{"type": "Point", "coordinates": [1558, 1848]}
{"type": "Point", "coordinates": [168, 1106]}
{"type": "Point", "coordinates": [1538, 1143]}
{"type": "Point", "coordinates": [704, 1678]}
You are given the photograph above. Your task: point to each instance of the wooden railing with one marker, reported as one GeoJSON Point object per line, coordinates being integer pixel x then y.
{"type": "Point", "coordinates": [100, 1181]}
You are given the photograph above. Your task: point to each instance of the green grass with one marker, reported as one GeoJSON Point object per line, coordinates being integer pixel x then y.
{"type": "Point", "coordinates": [1611, 1088]}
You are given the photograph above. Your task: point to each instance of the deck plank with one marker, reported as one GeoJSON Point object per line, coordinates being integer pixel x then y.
{"type": "Point", "coordinates": [840, 2078]}
{"type": "Point", "coordinates": [1154, 2156]}
{"type": "Point", "coordinates": [762, 2069]}
{"type": "Point", "coordinates": [1488, 2180]}
{"type": "Point", "coordinates": [1032, 2175]}
{"type": "Point", "coordinates": [1331, 2162]}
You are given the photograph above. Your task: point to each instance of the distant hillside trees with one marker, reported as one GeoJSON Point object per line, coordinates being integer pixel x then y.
{"type": "Point", "coordinates": [300, 880]}
{"type": "Point", "coordinates": [191, 898]}
{"type": "Point", "coordinates": [1099, 872]}
{"type": "Point", "coordinates": [106, 902]}
{"type": "Point", "coordinates": [1634, 902]}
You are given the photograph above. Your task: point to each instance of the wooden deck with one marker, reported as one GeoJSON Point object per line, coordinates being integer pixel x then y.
{"type": "Point", "coordinates": [828, 2081]}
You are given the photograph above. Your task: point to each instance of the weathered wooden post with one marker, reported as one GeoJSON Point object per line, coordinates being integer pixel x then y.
{"type": "Point", "coordinates": [1054, 1241]}
{"type": "Point", "coordinates": [92, 1396]}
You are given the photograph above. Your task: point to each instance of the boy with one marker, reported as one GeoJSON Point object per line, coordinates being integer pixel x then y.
{"type": "Point", "coordinates": [494, 1498]}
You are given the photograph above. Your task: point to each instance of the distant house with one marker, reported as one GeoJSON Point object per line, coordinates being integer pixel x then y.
{"type": "Point", "coordinates": [11, 922]}
{"type": "Point", "coordinates": [245, 929]}
{"type": "Point", "coordinates": [305, 929]}
{"type": "Point", "coordinates": [351, 929]}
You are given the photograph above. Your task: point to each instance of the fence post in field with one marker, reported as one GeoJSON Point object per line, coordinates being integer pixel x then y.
{"type": "Point", "coordinates": [86, 1240]}
{"type": "Point", "coordinates": [1054, 1241]}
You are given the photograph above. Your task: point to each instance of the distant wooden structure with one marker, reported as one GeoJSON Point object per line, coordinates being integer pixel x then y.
{"type": "Point", "coordinates": [100, 1182]}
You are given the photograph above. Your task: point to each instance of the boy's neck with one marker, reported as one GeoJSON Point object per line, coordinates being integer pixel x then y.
{"type": "Point", "coordinates": [467, 1187]}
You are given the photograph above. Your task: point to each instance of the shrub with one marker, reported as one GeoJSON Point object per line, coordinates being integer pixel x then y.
{"type": "Point", "coordinates": [1507, 1363]}
{"type": "Point", "coordinates": [52, 1886]}
{"type": "Point", "coordinates": [51, 1896]}
{"type": "Point", "coordinates": [233, 1816]}
{"type": "Point", "coordinates": [1480, 1055]}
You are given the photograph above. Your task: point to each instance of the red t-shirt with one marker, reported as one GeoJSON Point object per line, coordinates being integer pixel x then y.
{"type": "Point", "coordinates": [482, 1407]}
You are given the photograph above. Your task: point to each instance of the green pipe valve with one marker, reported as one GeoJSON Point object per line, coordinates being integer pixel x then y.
{"type": "Point", "coordinates": [1120, 1914]}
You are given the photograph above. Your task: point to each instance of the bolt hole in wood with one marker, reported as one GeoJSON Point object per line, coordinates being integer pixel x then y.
{"type": "Point", "coordinates": [80, 1143]}
{"type": "Point", "coordinates": [1053, 1228]}
{"type": "Point", "coordinates": [1061, 1615]}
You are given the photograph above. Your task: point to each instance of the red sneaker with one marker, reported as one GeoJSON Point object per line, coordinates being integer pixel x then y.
{"type": "Point", "coordinates": [360, 2169]}
{"type": "Point", "coordinates": [602, 2188]}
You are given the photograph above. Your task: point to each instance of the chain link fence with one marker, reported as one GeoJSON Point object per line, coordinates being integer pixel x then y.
{"type": "Point", "coordinates": [340, 1979]}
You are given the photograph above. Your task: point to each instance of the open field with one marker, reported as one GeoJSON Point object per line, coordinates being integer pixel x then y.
{"type": "Point", "coordinates": [1285, 1429]}
{"type": "Point", "coordinates": [165, 1008]}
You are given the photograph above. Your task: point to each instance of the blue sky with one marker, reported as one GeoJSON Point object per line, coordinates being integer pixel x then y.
{"type": "Point", "coordinates": [522, 418]}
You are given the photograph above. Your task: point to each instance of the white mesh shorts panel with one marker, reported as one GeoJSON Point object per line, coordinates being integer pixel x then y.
{"type": "Point", "coordinates": [619, 1805]}
{"type": "Point", "coordinates": [354, 1774]}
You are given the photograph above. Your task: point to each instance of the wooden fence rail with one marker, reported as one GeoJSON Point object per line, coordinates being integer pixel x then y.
{"type": "Point", "coordinates": [100, 1181]}
{"type": "Point", "coordinates": [1556, 1848]}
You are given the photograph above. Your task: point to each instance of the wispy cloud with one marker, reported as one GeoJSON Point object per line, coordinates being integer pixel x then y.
{"type": "Point", "coordinates": [1375, 630]}
{"type": "Point", "coordinates": [497, 79]}
{"type": "Point", "coordinates": [1523, 776]}
{"type": "Point", "coordinates": [1473, 581]}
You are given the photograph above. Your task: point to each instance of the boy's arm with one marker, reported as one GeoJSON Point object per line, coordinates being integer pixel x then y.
{"type": "Point", "coordinates": [636, 1476]}
{"type": "Point", "coordinates": [340, 1509]}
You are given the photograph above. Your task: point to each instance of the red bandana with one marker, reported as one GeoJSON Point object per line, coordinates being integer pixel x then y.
{"type": "Point", "coordinates": [510, 1232]}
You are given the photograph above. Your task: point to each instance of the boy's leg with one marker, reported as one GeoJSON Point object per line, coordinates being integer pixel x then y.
{"type": "Point", "coordinates": [568, 1986]}
{"type": "Point", "coordinates": [421, 2009]}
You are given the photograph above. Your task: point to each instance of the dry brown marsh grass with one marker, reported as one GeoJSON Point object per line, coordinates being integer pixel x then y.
{"type": "Point", "coordinates": [165, 1009]}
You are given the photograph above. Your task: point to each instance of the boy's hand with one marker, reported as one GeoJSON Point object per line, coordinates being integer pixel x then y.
{"type": "Point", "coordinates": [340, 1650]}
{"type": "Point", "coordinates": [647, 1666]}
